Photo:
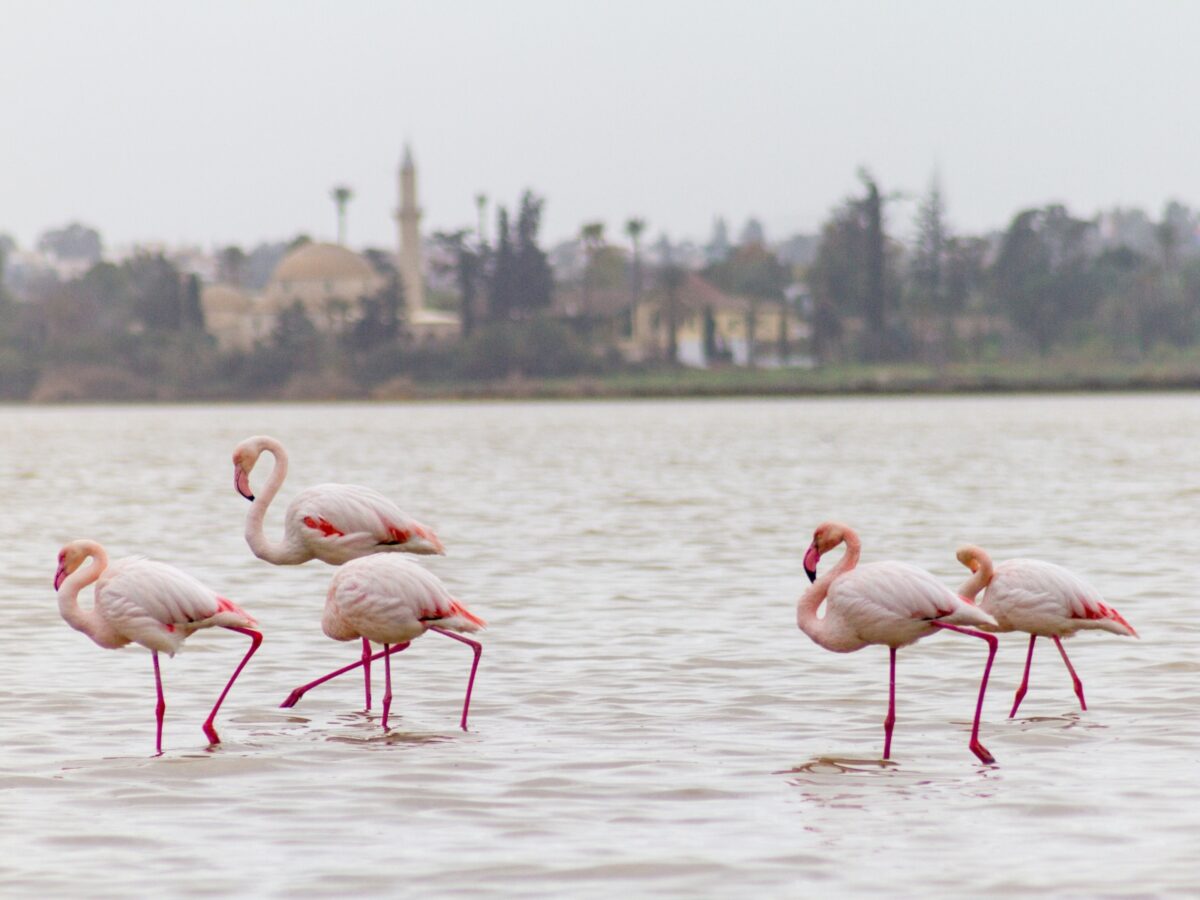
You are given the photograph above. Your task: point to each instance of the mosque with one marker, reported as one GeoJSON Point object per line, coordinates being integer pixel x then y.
{"type": "Point", "coordinates": [328, 280]}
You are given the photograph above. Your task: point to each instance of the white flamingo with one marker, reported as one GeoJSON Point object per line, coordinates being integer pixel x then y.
{"type": "Point", "coordinates": [148, 603]}
{"type": "Point", "coordinates": [392, 601]}
{"type": "Point", "coordinates": [1041, 598]}
{"type": "Point", "coordinates": [334, 523]}
{"type": "Point", "coordinates": [889, 603]}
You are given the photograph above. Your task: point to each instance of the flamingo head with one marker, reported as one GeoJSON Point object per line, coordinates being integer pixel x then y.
{"type": "Point", "coordinates": [245, 455]}
{"type": "Point", "coordinates": [972, 557]}
{"type": "Point", "coordinates": [70, 558]}
{"type": "Point", "coordinates": [827, 536]}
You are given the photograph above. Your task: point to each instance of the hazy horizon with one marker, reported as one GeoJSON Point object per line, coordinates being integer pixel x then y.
{"type": "Point", "coordinates": [231, 122]}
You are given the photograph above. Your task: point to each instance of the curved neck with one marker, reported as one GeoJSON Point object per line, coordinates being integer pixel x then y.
{"type": "Point", "coordinates": [87, 621]}
{"type": "Point", "coordinates": [979, 579]}
{"type": "Point", "coordinates": [826, 631]}
{"type": "Point", "coordinates": [281, 553]}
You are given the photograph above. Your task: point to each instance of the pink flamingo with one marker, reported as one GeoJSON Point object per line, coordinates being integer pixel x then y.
{"type": "Point", "coordinates": [392, 601]}
{"type": "Point", "coordinates": [334, 523]}
{"type": "Point", "coordinates": [1041, 598]}
{"type": "Point", "coordinates": [889, 603]}
{"type": "Point", "coordinates": [149, 603]}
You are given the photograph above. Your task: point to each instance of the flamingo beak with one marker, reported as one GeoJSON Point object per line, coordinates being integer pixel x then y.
{"type": "Point", "coordinates": [60, 576]}
{"type": "Point", "coordinates": [811, 558]}
{"type": "Point", "coordinates": [241, 482]}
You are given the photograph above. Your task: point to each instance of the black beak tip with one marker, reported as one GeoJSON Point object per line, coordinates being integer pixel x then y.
{"type": "Point", "coordinates": [811, 573]}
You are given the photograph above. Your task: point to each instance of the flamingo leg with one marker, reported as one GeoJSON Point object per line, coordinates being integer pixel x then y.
{"type": "Point", "coordinates": [1025, 679]}
{"type": "Point", "coordinates": [366, 664]}
{"type": "Point", "coordinates": [478, 648]}
{"type": "Point", "coordinates": [255, 639]}
{"type": "Point", "coordinates": [976, 747]}
{"type": "Point", "coordinates": [1074, 678]}
{"type": "Point", "coordinates": [161, 708]}
{"type": "Point", "coordinates": [387, 678]}
{"type": "Point", "coordinates": [294, 697]}
{"type": "Point", "coordinates": [890, 721]}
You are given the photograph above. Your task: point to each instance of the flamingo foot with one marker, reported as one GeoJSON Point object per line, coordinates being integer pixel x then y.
{"type": "Point", "coordinates": [982, 752]}
{"type": "Point", "coordinates": [1017, 701]}
{"type": "Point", "coordinates": [293, 698]}
{"type": "Point", "coordinates": [211, 733]}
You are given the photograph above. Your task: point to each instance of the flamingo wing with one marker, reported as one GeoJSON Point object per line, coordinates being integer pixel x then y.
{"type": "Point", "coordinates": [157, 605]}
{"type": "Point", "coordinates": [1044, 598]}
{"type": "Point", "coordinates": [344, 521]}
{"type": "Point", "coordinates": [893, 603]}
{"type": "Point", "coordinates": [390, 599]}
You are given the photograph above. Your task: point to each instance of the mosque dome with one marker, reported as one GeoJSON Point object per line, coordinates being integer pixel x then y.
{"type": "Point", "coordinates": [322, 262]}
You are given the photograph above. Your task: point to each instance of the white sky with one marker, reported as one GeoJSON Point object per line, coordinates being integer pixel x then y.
{"type": "Point", "coordinates": [229, 120]}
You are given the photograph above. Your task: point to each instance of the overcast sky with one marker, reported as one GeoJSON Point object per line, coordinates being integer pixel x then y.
{"type": "Point", "coordinates": [228, 121]}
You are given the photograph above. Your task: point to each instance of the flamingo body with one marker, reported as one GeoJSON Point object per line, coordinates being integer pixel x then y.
{"type": "Point", "coordinates": [392, 601]}
{"type": "Point", "coordinates": [158, 606]}
{"type": "Point", "coordinates": [334, 523]}
{"type": "Point", "coordinates": [137, 600]}
{"type": "Point", "coordinates": [894, 604]}
{"type": "Point", "coordinates": [1047, 600]}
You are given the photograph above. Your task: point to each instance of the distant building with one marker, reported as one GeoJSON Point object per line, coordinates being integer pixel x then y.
{"type": "Point", "coordinates": [235, 318]}
{"type": "Point", "coordinates": [327, 280]}
{"type": "Point", "coordinates": [715, 328]}
{"type": "Point", "coordinates": [712, 327]}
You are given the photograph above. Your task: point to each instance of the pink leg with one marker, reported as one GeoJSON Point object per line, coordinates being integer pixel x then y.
{"type": "Point", "coordinates": [977, 748]}
{"type": "Point", "coordinates": [478, 648]}
{"type": "Point", "coordinates": [890, 721]}
{"type": "Point", "coordinates": [387, 680]}
{"type": "Point", "coordinates": [1074, 678]}
{"type": "Point", "coordinates": [255, 639]}
{"type": "Point", "coordinates": [294, 697]}
{"type": "Point", "coordinates": [1025, 680]}
{"type": "Point", "coordinates": [366, 664]}
{"type": "Point", "coordinates": [161, 708]}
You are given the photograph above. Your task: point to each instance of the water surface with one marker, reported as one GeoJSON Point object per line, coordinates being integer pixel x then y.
{"type": "Point", "coordinates": [647, 717]}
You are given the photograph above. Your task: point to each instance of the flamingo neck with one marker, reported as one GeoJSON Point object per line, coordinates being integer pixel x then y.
{"type": "Point", "coordinates": [87, 621]}
{"type": "Point", "coordinates": [979, 579]}
{"type": "Point", "coordinates": [282, 553]}
{"type": "Point", "coordinates": [827, 631]}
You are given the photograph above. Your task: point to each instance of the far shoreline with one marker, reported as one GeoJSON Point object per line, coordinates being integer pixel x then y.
{"type": "Point", "coordinates": [906, 379]}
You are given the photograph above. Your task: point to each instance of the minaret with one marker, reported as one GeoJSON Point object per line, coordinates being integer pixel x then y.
{"type": "Point", "coordinates": [408, 215]}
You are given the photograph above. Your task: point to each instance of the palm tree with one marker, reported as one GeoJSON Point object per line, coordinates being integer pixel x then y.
{"type": "Point", "coordinates": [672, 278]}
{"type": "Point", "coordinates": [634, 228]}
{"type": "Point", "coordinates": [591, 235]}
{"type": "Point", "coordinates": [341, 195]}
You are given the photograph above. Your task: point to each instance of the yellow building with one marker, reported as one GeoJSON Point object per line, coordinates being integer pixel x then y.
{"type": "Point", "coordinates": [713, 327]}
{"type": "Point", "coordinates": [234, 317]}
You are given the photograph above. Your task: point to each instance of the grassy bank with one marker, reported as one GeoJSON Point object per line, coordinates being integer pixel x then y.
{"type": "Point", "coordinates": [907, 378]}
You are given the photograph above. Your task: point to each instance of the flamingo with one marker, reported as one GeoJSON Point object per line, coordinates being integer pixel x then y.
{"type": "Point", "coordinates": [889, 603]}
{"type": "Point", "coordinates": [149, 603]}
{"type": "Point", "coordinates": [1041, 598]}
{"type": "Point", "coordinates": [330, 522]}
{"type": "Point", "coordinates": [392, 601]}
{"type": "Point", "coordinates": [334, 523]}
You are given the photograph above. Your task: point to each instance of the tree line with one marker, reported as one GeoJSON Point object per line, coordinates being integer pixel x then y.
{"type": "Point", "coordinates": [1118, 284]}
{"type": "Point", "coordinates": [1122, 285]}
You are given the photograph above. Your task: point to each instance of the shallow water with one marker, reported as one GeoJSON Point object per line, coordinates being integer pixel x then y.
{"type": "Point", "coordinates": [647, 718]}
